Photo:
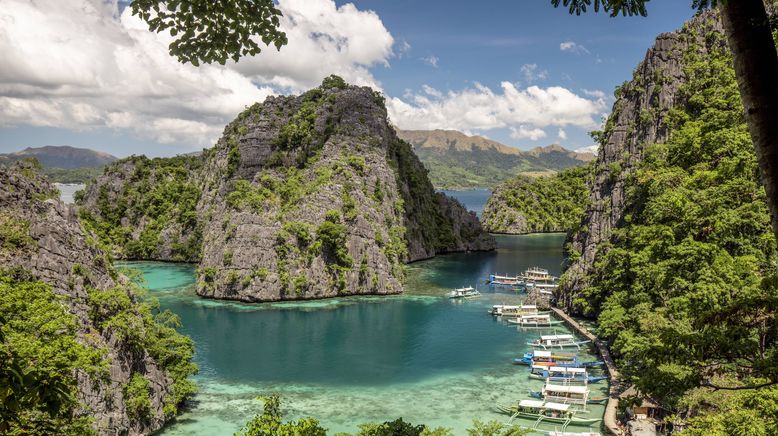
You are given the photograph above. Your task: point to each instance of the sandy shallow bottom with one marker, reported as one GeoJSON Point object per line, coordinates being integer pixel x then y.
{"type": "Point", "coordinates": [347, 361]}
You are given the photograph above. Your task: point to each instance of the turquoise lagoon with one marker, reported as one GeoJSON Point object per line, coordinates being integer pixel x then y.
{"type": "Point", "coordinates": [352, 360]}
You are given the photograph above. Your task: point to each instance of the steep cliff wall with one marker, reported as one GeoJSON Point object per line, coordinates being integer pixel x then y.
{"type": "Point", "coordinates": [638, 118]}
{"type": "Point", "coordinates": [50, 246]}
{"type": "Point", "coordinates": [303, 197]}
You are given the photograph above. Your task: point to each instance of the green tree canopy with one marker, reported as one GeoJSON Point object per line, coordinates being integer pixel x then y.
{"type": "Point", "coordinates": [210, 31]}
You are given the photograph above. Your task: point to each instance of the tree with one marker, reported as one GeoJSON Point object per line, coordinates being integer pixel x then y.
{"type": "Point", "coordinates": [213, 30]}
{"type": "Point", "coordinates": [750, 40]}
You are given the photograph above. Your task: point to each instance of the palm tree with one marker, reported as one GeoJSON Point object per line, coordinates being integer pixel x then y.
{"type": "Point", "coordinates": [750, 39]}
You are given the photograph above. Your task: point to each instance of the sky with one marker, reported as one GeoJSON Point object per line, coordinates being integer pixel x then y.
{"type": "Point", "coordinates": [86, 73]}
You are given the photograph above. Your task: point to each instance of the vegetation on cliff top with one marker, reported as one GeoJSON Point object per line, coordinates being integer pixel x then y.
{"type": "Point", "coordinates": [543, 204]}
{"type": "Point", "coordinates": [686, 288]}
{"type": "Point", "coordinates": [159, 193]}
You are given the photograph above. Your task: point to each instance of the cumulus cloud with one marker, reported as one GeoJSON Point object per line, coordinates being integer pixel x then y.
{"type": "Point", "coordinates": [573, 47]}
{"type": "Point", "coordinates": [523, 132]}
{"type": "Point", "coordinates": [82, 64]}
{"type": "Point", "coordinates": [532, 73]}
{"type": "Point", "coordinates": [431, 61]}
{"type": "Point", "coordinates": [562, 134]}
{"type": "Point", "coordinates": [481, 108]}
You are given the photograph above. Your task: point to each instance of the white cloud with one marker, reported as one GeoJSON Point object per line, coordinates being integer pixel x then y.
{"type": "Point", "coordinates": [562, 134]}
{"type": "Point", "coordinates": [403, 47]}
{"type": "Point", "coordinates": [480, 108]}
{"type": "Point", "coordinates": [573, 47]}
{"type": "Point", "coordinates": [594, 148]}
{"type": "Point", "coordinates": [523, 132]}
{"type": "Point", "coordinates": [79, 64]}
{"type": "Point", "coordinates": [431, 61]}
{"type": "Point", "coordinates": [596, 93]}
{"type": "Point", "coordinates": [532, 73]}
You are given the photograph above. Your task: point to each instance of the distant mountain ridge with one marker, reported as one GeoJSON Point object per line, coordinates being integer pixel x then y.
{"type": "Point", "coordinates": [62, 156]}
{"type": "Point", "coordinates": [456, 160]}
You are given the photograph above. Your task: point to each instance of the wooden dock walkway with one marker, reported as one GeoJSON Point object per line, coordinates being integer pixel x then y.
{"type": "Point", "coordinates": [609, 420]}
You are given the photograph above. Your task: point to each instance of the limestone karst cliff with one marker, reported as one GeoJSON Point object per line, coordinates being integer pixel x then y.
{"type": "Point", "coordinates": [42, 242]}
{"type": "Point", "coordinates": [639, 118]}
{"type": "Point", "coordinates": [303, 197]}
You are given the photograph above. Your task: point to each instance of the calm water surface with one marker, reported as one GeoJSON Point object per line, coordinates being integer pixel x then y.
{"type": "Point", "coordinates": [351, 360]}
{"type": "Point", "coordinates": [474, 199]}
{"type": "Point", "coordinates": [68, 190]}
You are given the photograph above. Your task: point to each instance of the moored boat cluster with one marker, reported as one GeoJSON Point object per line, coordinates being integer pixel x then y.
{"type": "Point", "coordinates": [565, 395]}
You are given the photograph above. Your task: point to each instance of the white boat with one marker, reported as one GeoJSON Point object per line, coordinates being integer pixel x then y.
{"type": "Point", "coordinates": [566, 394]}
{"type": "Point", "coordinates": [467, 292]}
{"type": "Point", "coordinates": [543, 411]}
{"type": "Point", "coordinates": [538, 275]}
{"type": "Point", "coordinates": [536, 320]}
{"type": "Point", "coordinates": [557, 341]}
{"type": "Point", "coordinates": [498, 280]}
{"type": "Point", "coordinates": [514, 311]}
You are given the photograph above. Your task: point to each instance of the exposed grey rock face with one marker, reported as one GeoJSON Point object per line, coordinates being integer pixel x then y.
{"type": "Point", "coordinates": [348, 172]}
{"type": "Point", "coordinates": [639, 118]}
{"type": "Point", "coordinates": [60, 248]}
{"type": "Point", "coordinates": [303, 197]}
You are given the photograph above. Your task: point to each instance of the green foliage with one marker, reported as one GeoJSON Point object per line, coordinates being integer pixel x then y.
{"type": "Point", "coordinates": [140, 325]}
{"type": "Point", "coordinates": [136, 398]}
{"type": "Point", "coordinates": [244, 195]}
{"type": "Point", "coordinates": [72, 175]}
{"type": "Point", "coordinates": [333, 82]}
{"type": "Point", "coordinates": [397, 427]}
{"type": "Point", "coordinates": [269, 422]}
{"type": "Point", "coordinates": [332, 235]}
{"type": "Point", "coordinates": [299, 131]}
{"type": "Point", "coordinates": [14, 234]}
{"type": "Point", "coordinates": [203, 33]}
{"type": "Point", "coordinates": [233, 155]}
{"type": "Point", "coordinates": [495, 428]}
{"type": "Point", "coordinates": [686, 290]}
{"type": "Point", "coordinates": [555, 203]}
{"type": "Point", "coordinates": [158, 193]}
{"type": "Point", "coordinates": [40, 353]}
{"type": "Point", "coordinates": [723, 413]}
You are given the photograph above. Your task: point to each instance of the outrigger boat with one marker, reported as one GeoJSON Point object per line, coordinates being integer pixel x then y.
{"type": "Point", "coordinates": [557, 341]}
{"type": "Point", "coordinates": [546, 358]}
{"type": "Point", "coordinates": [513, 311]}
{"type": "Point", "coordinates": [542, 411]}
{"type": "Point", "coordinates": [589, 400]}
{"type": "Point", "coordinates": [537, 320]}
{"type": "Point", "coordinates": [564, 374]}
{"type": "Point", "coordinates": [537, 275]}
{"type": "Point", "coordinates": [467, 292]}
{"type": "Point", "coordinates": [549, 358]}
{"type": "Point", "coordinates": [499, 280]}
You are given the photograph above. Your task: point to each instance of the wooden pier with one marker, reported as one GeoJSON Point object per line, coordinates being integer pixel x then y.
{"type": "Point", "coordinates": [609, 420]}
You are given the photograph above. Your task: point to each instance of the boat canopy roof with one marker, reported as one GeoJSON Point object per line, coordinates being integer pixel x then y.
{"type": "Point", "coordinates": [528, 306]}
{"type": "Point", "coordinates": [541, 353]}
{"type": "Point", "coordinates": [552, 337]}
{"type": "Point", "coordinates": [567, 369]}
{"type": "Point", "coordinates": [535, 404]}
{"type": "Point", "coordinates": [556, 406]}
{"type": "Point", "coordinates": [573, 389]}
{"type": "Point", "coordinates": [539, 367]}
